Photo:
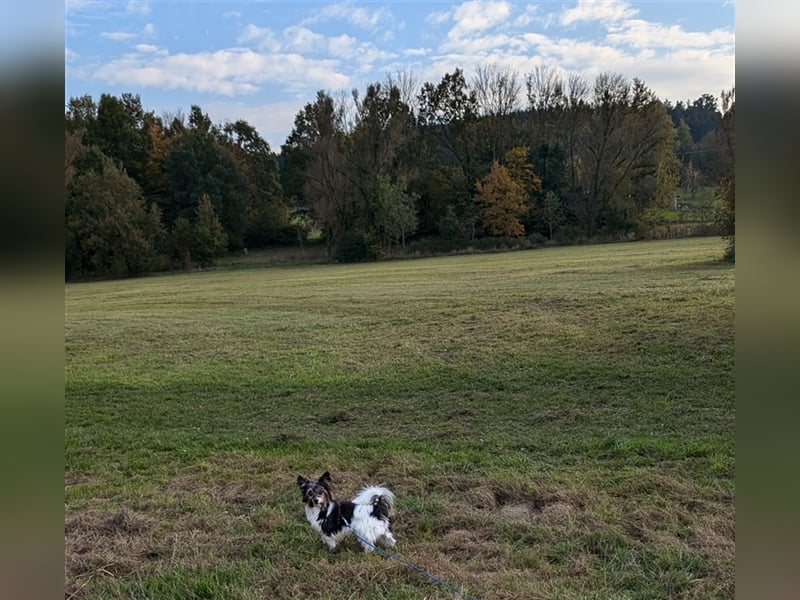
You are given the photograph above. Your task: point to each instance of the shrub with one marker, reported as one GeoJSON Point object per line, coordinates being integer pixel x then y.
{"type": "Point", "coordinates": [353, 248]}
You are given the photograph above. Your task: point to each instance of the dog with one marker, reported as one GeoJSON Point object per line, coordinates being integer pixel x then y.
{"type": "Point", "coordinates": [366, 515]}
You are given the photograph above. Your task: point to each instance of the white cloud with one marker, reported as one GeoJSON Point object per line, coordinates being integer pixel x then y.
{"type": "Point", "coordinates": [253, 33]}
{"type": "Point", "coordinates": [342, 46]}
{"type": "Point", "coordinates": [438, 18]}
{"type": "Point", "coordinates": [646, 54]}
{"type": "Point", "coordinates": [301, 39]}
{"type": "Point", "coordinates": [606, 11]}
{"type": "Point", "coordinates": [261, 37]}
{"type": "Point", "coordinates": [75, 6]}
{"type": "Point", "coordinates": [125, 36]}
{"type": "Point", "coordinates": [149, 49]}
{"type": "Point", "coordinates": [472, 19]}
{"type": "Point", "coordinates": [679, 75]}
{"type": "Point", "coordinates": [576, 54]}
{"type": "Point", "coordinates": [272, 120]}
{"type": "Point", "coordinates": [686, 74]}
{"type": "Point", "coordinates": [478, 16]}
{"type": "Point", "coordinates": [416, 51]}
{"type": "Point", "coordinates": [118, 36]}
{"type": "Point", "coordinates": [223, 72]}
{"type": "Point", "coordinates": [484, 45]}
{"type": "Point", "coordinates": [528, 16]}
{"type": "Point", "coordinates": [359, 16]}
{"type": "Point", "coordinates": [137, 7]}
{"type": "Point", "coordinates": [642, 34]}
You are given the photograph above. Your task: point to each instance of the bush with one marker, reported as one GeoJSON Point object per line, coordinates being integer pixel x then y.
{"type": "Point", "coordinates": [353, 248]}
{"type": "Point", "coordinates": [537, 239]}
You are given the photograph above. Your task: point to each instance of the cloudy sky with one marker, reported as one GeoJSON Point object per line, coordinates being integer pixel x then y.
{"type": "Point", "coordinates": [263, 61]}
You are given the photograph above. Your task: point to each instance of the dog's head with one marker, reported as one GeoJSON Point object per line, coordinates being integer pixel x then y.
{"type": "Point", "coordinates": [316, 494]}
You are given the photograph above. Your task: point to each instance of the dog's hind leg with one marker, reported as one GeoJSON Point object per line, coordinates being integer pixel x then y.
{"type": "Point", "coordinates": [366, 540]}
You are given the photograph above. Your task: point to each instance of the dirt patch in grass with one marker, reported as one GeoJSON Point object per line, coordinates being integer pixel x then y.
{"type": "Point", "coordinates": [191, 522]}
{"type": "Point", "coordinates": [474, 546]}
{"type": "Point", "coordinates": [102, 544]}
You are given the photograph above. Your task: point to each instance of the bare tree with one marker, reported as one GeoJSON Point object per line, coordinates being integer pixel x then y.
{"type": "Point", "coordinates": [546, 98]}
{"type": "Point", "coordinates": [497, 93]}
{"type": "Point", "coordinates": [407, 84]}
{"type": "Point", "coordinates": [628, 157]}
{"type": "Point", "coordinates": [576, 94]}
{"type": "Point", "coordinates": [497, 90]}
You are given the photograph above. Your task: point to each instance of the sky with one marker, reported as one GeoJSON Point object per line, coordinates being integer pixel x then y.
{"type": "Point", "coordinates": [264, 61]}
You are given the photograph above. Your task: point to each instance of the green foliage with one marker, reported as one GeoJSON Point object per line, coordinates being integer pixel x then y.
{"type": "Point", "coordinates": [395, 213]}
{"type": "Point", "coordinates": [353, 247]}
{"type": "Point", "coordinates": [183, 239]}
{"type": "Point", "coordinates": [301, 221]}
{"type": "Point", "coordinates": [266, 212]}
{"type": "Point", "coordinates": [551, 213]}
{"type": "Point", "coordinates": [118, 132]}
{"type": "Point", "coordinates": [199, 164]}
{"type": "Point", "coordinates": [629, 155]}
{"type": "Point", "coordinates": [209, 239]}
{"type": "Point", "coordinates": [451, 228]}
{"type": "Point", "coordinates": [726, 190]}
{"type": "Point", "coordinates": [109, 230]}
{"type": "Point", "coordinates": [448, 112]}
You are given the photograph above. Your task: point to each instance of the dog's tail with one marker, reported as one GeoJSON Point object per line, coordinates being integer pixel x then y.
{"type": "Point", "coordinates": [379, 497]}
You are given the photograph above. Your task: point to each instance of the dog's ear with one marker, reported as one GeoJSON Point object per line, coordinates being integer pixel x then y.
{"type": "Point", "coordinates": [301, 481]}
{"type": "Point", "coordinates": [325, 479]}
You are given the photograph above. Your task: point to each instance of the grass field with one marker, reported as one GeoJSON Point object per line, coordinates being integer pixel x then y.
{"type": "Point", "coordinates": [555, 423]}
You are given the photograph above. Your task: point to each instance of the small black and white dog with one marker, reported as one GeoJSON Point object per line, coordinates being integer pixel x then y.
{"type": "Point", "coordinates": [366, 515]}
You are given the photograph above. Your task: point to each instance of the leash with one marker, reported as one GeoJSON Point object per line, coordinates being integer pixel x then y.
{"type": "Point", "coordinates": [408, 563]}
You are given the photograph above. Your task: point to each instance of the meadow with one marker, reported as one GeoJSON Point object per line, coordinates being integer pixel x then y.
{"type": "Point", "coordinates": [555, 423]}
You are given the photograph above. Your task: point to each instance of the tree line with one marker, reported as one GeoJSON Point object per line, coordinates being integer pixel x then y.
{"type": "Point", "coordinates": [496, 157]}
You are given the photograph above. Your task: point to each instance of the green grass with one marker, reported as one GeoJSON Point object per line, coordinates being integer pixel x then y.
{"type": "Point", "coordinates": [556, 423]}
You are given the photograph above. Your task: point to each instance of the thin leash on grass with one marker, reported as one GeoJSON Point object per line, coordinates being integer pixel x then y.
{"type": "Point", "coordinates": [408, 563]}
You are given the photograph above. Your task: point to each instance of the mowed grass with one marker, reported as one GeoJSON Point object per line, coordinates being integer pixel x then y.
{"type": "Point", "coordinates": [555, 423]}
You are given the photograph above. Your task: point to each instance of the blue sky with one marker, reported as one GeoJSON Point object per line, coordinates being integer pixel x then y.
{"type": "Point", "coordinates": [263, 61]}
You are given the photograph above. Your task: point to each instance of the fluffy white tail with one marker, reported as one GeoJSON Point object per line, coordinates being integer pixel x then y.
{"type": "Point", "coordinates": [372, 493]}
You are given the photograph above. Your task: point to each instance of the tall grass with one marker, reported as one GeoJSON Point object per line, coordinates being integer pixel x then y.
{"type": "Point", "coordinates": [556, 423]}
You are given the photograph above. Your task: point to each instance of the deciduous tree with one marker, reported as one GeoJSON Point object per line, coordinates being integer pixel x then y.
{"type": "Point", "coordinates": [396, 213]}
{"type": "Point", "coordinates": [502, 200]}
{"type": "Point", "coordinates": [198, 164]}
{"type": "Point", "coordinates": [109, 230]}
{"type": "Point", "coordinates": [726, 190]}
{"type": "Point", "coordinates": [628, 156]}
{"type": "Point", "coordinates": [266, 211]}
{"type": "Point", "coordinates": [318, 141]}
{"type": "Point", "coordinates": [497, 94]}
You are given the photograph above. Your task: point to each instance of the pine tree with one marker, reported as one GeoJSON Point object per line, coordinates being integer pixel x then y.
{"type": "Point", "coordinates": [209, 237]}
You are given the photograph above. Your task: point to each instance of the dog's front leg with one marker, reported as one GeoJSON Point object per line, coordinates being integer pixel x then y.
{"type": "Point", "coordinates": [330, 541]}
